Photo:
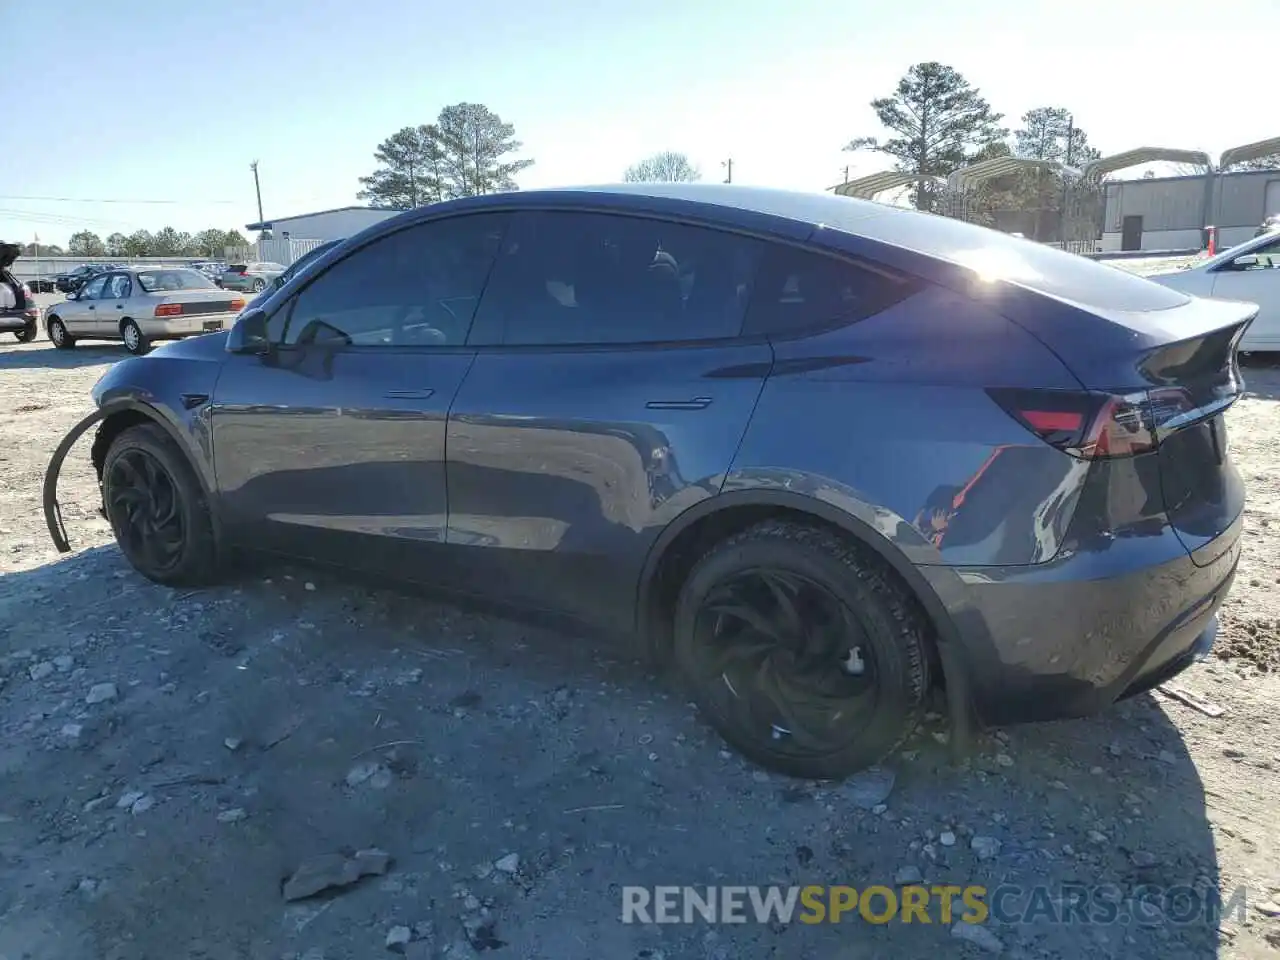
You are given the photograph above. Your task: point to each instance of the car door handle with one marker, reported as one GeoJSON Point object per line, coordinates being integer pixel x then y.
{"type": "Point", "coordinates": [697, 403]}
{"type": "Point", "coordinates": [422, 394]}
{"type": "Point", "coordinates": [91, 306]}
{"type": "Point", "coordinates": [119, 306]}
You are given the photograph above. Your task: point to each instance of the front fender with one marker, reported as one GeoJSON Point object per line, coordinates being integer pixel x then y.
{"type": "Point", "coordinates": [123, 404]}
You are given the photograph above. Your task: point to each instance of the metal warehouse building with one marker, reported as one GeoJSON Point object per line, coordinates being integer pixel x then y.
{"type": "Point", "coordinates": [325, 225]}
{"type": "Point", "coordinates": [1168, 213]}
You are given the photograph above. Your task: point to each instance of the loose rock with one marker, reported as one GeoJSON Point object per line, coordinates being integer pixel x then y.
{"type": "Point", "coordinates": [72, 731]}
{"type": "Point", "coordinates": [64, 662]}
{"type": "Point", "coordinates": [908, 875]}
{"type": "Point", "coordinates": [947, 838]}
{"type": "Point", "coordinates": [986, 848]}
{"type": "Point", "coordinates": [978, 935]}
{"type": "Point", "coordinates": [232, 743]}
{"type": "Point", "coordinates": [334, 870]}
{"type": "Point", "coordinates": [870, 787]}
{"type": "Point", "coordinates": [398, 938]}
{"type": "Point", "coordinates": [234, 815]}
{"type": "Point", "coordinates": [39, 671]}
{"type": "Point", "coordinates": [101, 693]}
{"type": "Point", "coordinates": [1004, 760]}
{"type": "Point", "coordinates": [508, 864]}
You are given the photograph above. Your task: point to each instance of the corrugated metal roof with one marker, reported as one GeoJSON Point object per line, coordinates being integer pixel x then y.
{"type": "Point", "coordinates": [1249, 151]}
{"type": "Point", "coordinates": [966, 178]}
{"type": "Point", "coordinates": [1097, 169]}
{"type": "Point", "coordinates": [868, 187]}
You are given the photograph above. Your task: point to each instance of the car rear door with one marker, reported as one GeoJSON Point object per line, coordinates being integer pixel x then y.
{"type": "Point", "coordinates": [1256, 280]}
{"type": "Point", "coordinates": [609, 393]}
{"type": "Point", "coordinates": [331, 446]}
{"type": "Point", "coordinates": [110, 308]}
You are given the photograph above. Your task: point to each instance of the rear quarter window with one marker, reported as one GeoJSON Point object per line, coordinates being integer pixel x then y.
{"type": "Point", "coordinates": [798, 290]}
{"type": "Point", "coordinates": [998, 256]}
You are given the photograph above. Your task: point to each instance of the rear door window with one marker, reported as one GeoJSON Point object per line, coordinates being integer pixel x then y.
{"type": "Point", "coordinates": [118, 286]}
{"type": "Point", "coordinates": [567, 278]}
{"type": "Point", "coordinates": [799, 290]}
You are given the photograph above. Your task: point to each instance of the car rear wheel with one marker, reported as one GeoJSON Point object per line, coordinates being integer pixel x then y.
{"type": "Point", "coordinates": [802, 651]}
{"type": "Point", "coordinates": [134, 339]}
{"type": "Point", "coordinates": [27, 333]}
{"type": "Point", "coordinates": [157, 508]}
{"type": "Point", "coordinates": [58, 335]}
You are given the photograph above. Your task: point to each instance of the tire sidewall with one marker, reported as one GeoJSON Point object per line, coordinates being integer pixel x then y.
{"type": "Point", "coordinates": [898, 697]}
{"type": "Point", "coordinates": [141, 346]}
{"type": "Point", "coordinates": [192, 503]}
{"type": "Point", "coordinates": [59, 341]}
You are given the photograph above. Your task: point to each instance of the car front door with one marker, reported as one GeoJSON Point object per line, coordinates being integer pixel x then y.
{"type": "Point", "coordinates": [80, 316]}
{"type": "Point", "coordinates": [331, 445]}
{"type": "Point", "coordinates": [1255, 277]}
{"type": "Point", "coordinates": [609, 392]}
{"type": "Point", "coordinates": [110, 307]}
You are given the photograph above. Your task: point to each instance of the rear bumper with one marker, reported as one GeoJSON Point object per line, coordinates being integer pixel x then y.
{"type": "Point", "coordinates": [13, 322]}
{"type": "Point", "coordinates": [1070, 637]}
{"type": "Point", "coordinates": [157, 329]}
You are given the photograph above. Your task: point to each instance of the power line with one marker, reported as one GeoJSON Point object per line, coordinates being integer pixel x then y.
{"type": "Point", "coordinates": [111, 200]}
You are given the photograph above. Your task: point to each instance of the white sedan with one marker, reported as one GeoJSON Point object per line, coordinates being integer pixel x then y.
{"type": "Point", "coordinates": [142, 305]}
{"type": "Point", "coordinates": [1249, 272]}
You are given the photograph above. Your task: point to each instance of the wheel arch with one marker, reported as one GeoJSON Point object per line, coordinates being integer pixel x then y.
{"type": "Point", "coordinates": [688, 536]}
{"type": "Point", "coordinates": [128, 412]}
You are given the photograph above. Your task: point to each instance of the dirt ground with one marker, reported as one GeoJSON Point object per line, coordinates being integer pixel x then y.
{"type": "Point", "coordinates": [167, 759]}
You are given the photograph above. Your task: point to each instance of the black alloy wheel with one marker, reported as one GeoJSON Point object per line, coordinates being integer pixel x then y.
{"type": "Point", "coordinates": [145, 509]}
{"type": "Point", "coordinates": [801, 651]}
{"type": "Point", "coordinates": [158, 508]}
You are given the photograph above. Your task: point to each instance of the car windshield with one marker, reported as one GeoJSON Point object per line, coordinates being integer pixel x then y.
{"type": "Point", "coordinates": [156, 281]}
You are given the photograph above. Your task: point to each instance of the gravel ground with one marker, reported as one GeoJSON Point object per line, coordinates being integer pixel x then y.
{"type": "Point", "coordinates": [167, 759]}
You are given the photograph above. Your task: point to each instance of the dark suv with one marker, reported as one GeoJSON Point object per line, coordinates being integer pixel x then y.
{"type": "Point", "coordinates": [817, 454]}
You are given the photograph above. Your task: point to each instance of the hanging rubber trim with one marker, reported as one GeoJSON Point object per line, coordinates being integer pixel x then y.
{"type": "Point", "coordinates": [52, 512]}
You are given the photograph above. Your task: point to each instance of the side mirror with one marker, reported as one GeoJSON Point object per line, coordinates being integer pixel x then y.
{"type": "Point", "coordinates": [1245, 261]}
{"type": "Point", "coordinates": [249, 335]}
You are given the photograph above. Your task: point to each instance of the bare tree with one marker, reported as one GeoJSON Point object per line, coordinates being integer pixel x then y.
{"type": "Point", "coordinates": [665, 167]}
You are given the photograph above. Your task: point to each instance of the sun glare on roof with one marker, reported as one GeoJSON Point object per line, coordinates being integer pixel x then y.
{"type": "Point", "coordinates": [994, 263]}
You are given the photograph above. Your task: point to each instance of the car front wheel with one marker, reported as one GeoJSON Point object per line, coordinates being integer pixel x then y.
{"type": "Point", "coordinates": [58, 335]}
{"type": "Point", "coordinates": [802, 650]}
{"type": "Point", "coordinates": [157, 508]}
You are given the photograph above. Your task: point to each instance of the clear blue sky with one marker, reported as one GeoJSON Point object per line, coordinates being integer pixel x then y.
{"type": "Point", "coordinates": [146, 100]}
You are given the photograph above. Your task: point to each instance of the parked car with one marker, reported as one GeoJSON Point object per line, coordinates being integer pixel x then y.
{"type": "Point", "coordinates": [75, 279]}
{"type": "Point", "coordinates": [140, 306]}
{"type": "Point", "coordinates": [18, 312]}
{"type": "Point", "coordinates": [42, 284]}
{"type": "Point", "coordinates": [818, 454]}
{"type": "Point", "coordinates": [1250, 272]}
{"type": "Point", "coordinates": [294, 268]}
{"type": "Point", "coordinates": [250, 277]}
{"type": "Point", "coordinates": [1269, 225]}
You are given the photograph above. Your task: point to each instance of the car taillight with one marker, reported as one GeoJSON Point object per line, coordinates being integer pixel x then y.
{"type": "Point", "coordinates": [1085, 424]}
{"type": "Point", "coordinates": [169, 310]}
{"type": "Point", "coordinates": [237, 304]}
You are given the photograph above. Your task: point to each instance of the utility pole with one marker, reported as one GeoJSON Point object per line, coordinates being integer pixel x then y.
{"type": "Point", "coordinates": [1062, 208]}
{"type": "Point", "coordinates": [728, 166]}
{"type": "Point", "coordinates": [257, 187]}
{"type": "Point", "coordinates": [846, 173]}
